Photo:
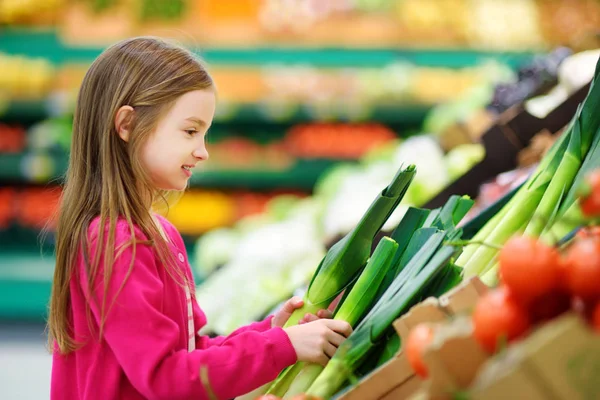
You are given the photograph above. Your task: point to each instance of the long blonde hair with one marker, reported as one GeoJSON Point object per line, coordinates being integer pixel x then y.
{"type": "Point", "coordinates": [104, 177]}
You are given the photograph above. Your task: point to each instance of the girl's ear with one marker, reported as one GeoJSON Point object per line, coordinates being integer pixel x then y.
{"type": "Point", "coordinates": [123, 119]}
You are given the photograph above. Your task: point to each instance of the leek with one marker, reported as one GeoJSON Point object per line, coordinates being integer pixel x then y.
{"type": "Point", "coordinates": [541, 201]}
{"type": "Point", "coordinates": [348, 256]}
{"type": "Point", "coordinates": [570, 215]}
{"type": "Point", "coordinates": [355, 349]}
{"type": "Point", "coordinates": [417, 278]}
{"type": "Point", "coordinates": [354, 306]}
{"type": "Point", "coordinates": [345, 259]}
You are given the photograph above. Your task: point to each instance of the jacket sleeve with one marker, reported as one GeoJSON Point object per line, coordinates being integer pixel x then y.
{"type": "Point", "coordinates": [204, 341]}
{"type": "Point", "coordinates": [144, 340]}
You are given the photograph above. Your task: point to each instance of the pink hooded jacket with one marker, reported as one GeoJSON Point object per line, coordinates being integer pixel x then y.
{"type": "Point", "coordinates": [144, 353]}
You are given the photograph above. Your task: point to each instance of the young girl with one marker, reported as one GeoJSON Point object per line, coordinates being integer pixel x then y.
{"type": "Point", "coordinates": [123, 320]}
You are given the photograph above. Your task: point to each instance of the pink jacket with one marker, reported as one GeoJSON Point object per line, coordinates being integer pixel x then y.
{"type": "Point", "coordinates": [144, 352]}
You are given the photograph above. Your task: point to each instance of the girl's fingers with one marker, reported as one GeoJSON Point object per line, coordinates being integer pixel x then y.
{"type": "Point", "coordinates": [335, 339]}
{"type": "Point", "coordinates": [329, 349]}
{"type": "Point", "coordinates": [341, 327]}
{"type": "Point", "coordinates": [325, 314]}
{"type": "Point", "coordinates": [323, 360]}
{"type": "Point", "coordinates": [309, 318]}
{"type": "Point", "coordinates": [292, 304]}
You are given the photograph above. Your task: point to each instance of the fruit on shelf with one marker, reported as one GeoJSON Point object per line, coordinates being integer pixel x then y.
{"type": "Point", "coordinates": [238, 153]}
{"type": "Point", "coordinates": [532, 78]}
{"type": "Point", "coordinates": [569, 22]}
{"type": "Point", "coordinates": [53, 133]}
{"type": "Point", "coordinates": [36, 207]}
{"type": "Point", "coordinates": [492, 25]}
{"type": "Point", "coordinates": [498, 319]}
{"type": "Point", "coordinates": [581, 268]}
{"type": "Point", "coordinates": [30, 11]}
{"type": "Point", "coordinates": [7, 203]}
{"type": "Point", "coordinates": [12, 139]}
{"type": "Point", "coordinates": [590, 195]}
{"type": "Point", "coordinates": [25, 78]}
{"type": "Point", "coordinates": [419, 339]}
{"type": "Point", "coordinates": [162, 10]}
{"type": "Point", "coordinates": [439, 21]}
{"type": "Point", "coordinates": [349, 141]}
{"type": "Point", "coordinates": [529, 267]}
{"type": "Point", "coordinates": [198, 211]}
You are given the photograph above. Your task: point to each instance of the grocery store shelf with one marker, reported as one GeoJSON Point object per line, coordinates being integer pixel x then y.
{"type": "Point", "coordinates": [302, 175]}
{"type": "Point", "coordinates": [42, 168]}
{"type": "Point", "coordinates": [32, 167]}
{"type": "Point", "coordinates": [26, 273]}
{"type": "Point", "coordinates": [47, 44]}
{"type": "Point", "coordinates": [394, 114]}
{"type": "Point", "coordinates": [25, 111]}
{"type": "Point", "coordinates": [25, 283]}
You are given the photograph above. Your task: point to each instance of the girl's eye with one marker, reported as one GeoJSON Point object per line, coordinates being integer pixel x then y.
{"type": "Point", "coordinates": [191, 131]}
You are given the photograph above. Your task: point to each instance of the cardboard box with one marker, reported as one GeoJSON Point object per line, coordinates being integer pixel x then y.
{"type": "Point", "coordinates": [396, 379]}
{"type": "Point", "coordinates": [560, 360]}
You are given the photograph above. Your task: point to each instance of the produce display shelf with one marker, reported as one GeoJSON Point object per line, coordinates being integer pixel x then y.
{"type": "Point", "coordinates": [48, 167]}
{"type": "Point", "coordinates": [24, 111]}
{"type": "Point", "coordinates": [25, 283]}
{"type": "Point", "coordinates": [26, 271]}
{"type": "Point", "coordinates": [47, 43]}
{"type": "Point", "coordinates": [394, 114]}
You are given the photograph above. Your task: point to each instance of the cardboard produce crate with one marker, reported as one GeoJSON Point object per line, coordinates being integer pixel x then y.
{"type": "Point", "coordinates": [559, 361]}
{"type": "Point", "coordinates": [396, 379]}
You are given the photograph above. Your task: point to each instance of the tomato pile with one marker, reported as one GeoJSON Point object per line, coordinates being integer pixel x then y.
{"type": "Point", "coordinates": [538, 283]}
{"type": "Point", "coordinates": [590, 195]}
{"type": "Point", "coordinates": [419, 339]}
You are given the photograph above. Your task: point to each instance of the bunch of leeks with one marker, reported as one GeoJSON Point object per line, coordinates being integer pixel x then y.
{"type": "Point", "coordinates": [421, 269]}
{"type": "Point", "coordinates": [547, 197]}
{"type": "Point", "coordinates": [344, 262]}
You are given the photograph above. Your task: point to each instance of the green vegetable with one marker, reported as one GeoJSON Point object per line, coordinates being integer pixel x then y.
{"type": "Point", "coordinates": [355, 305]}
{"type": "Point", "coordinates": [546, 195]}
{"type": "Point", "coordinates": [419, 277]}
{"type": "Point", "coordinates": [348, 256]}
{"type": "Point", "coordinates": [345, 260]}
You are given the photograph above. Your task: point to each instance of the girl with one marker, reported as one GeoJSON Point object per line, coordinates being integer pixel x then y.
{"type": "Point", "coordinates": [123, 319]}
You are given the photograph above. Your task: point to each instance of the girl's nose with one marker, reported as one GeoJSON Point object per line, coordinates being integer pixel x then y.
{"type": "Point", "coordinates": [201, 153]}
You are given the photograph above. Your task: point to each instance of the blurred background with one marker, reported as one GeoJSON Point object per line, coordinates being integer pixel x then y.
{"type": "Point", "coordinates": [320, 101]}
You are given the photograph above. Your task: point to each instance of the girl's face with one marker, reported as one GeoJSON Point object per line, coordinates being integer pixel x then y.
{"type": "Point", "coordinates": [177, 144]}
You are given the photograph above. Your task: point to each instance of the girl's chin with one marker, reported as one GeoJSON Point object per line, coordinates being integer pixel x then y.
{"type": "Point", "coordinates": [174, 186]}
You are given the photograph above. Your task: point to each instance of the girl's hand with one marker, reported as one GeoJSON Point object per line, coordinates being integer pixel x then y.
{"type": "Point", "coordinates": [326, 314]}
{"type": "Point", "coordinates": [282, 316]}
{"type": "Point", "coordinates": [317, 341]}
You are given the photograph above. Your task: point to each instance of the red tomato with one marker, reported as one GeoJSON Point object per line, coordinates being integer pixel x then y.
{"type": "Point", "coordinates": [498, 317]}
{"type": "Point", "coordinates": [588, 232]}
{"type": "Point", "coordinates": [529, 268]}
{"type": "Point", "coordinates": [581, 267]}
{"type": "Point", "coordinates": [549, 305]}
{"type": "Point", "coordinates": [596, 318]}
{"type": "Point", "coordinates": [590, 201]}
{"type": "Point", "coordinates": [419, 338]}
